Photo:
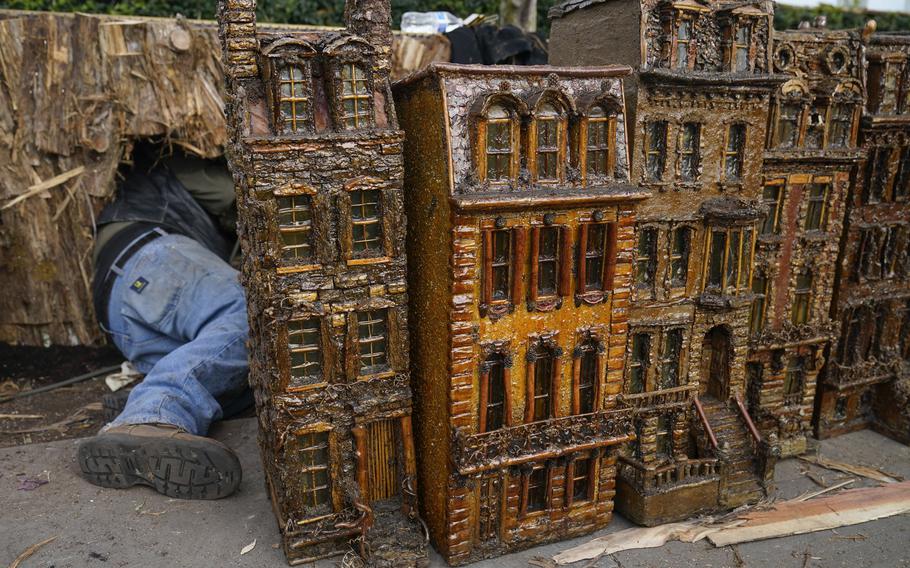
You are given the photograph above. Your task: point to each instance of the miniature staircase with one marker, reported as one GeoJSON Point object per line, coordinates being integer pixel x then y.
{"type": "Point", "coordinates": [741, 483]}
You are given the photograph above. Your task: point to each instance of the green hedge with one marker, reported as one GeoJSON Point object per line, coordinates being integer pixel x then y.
{"type": "Point", "coordinates": [329, 13]}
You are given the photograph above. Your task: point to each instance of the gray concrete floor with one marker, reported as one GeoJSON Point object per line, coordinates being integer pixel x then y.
{"type": "Point", "coordinates": [140, 528]}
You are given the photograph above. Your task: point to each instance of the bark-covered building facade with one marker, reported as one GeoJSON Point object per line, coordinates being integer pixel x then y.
{"type": "Point", "coordinates": [317, 159]}
{"type": "Point", "coordinates": [810, 166]}
{"type": "Point", "coordinates": [867, 380]}
{"type": "Point", "coordinates": [702, 90]}
{"type": "Point", "coordinates": [520, 242]}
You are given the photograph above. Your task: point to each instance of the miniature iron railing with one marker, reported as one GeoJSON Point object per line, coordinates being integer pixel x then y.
{"type": "Point", "coordinates": [793, 399]}
{"type": "Point", "coordinates": [646, 477]}
{"type": "Point", "coordinates": [541, 440]}
{"type": "Point", "coordinates": [699, 409]}
{"type": "Point", "coordinates": [661, 398]}
{"type": "Point", "coordinates": [866, 372]}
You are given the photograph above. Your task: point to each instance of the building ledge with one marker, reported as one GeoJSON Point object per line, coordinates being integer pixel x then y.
{"type": "Point", "coordinates": [535, 199]}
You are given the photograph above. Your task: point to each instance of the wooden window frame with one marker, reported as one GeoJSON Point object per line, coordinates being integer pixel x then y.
{"type": "Point", "coordinates": [495, 350]}
{"type": "Point", "coordinates": [386, 208]}
{"type": "Point", "coordinates": [900, 188]}
{"type": "Point", "coordinates": [821, 202]}
{"type": "Point", "coordinates": [800, 120]}
{"type": "Point", "coordinates": [562, 142]}
{"type": "Point", "coordinates": [775, 207]}
{"type": "Point", "coordinates": [650, 259]}
{"type": "Point", "coordinates": [794, 381]}
{"type": "Point", "coordinates": [548, 467]}
{"type": "Point", "coordinates": [679, 256]}
{"type": "Point", "coordinates": [539, 348]}
{"type": "Point", "coordinates": [802, 299]}
{"type": "Point", "coordinates": [759, 309]}
{"type": "Point", "coordinates": [562, 260]}
{"type": "Point", "coordinates": [305, 98]}
{"type": "Point", "coordinates": [608, 265]}
{"type": "Point", "coordinates": [588, 342]}
{"type": "Point", "coordinates": [668, 434]}
{"type": "Point", "coordinates": [518, 237]}
{"type": "Point", "coordinates": [324, 360]}
{"type": "Point", "coordinates": [644, 364]}
{"type": "Point", "coordinates": [332, 468]}
{"type": "Point", "coordinates": [360, 99]}
{"type": "Point", "coordinates": [735, 45]}
{"type": "Point", "coordinates": [694, 152]}
{"type": "Point", "coordinates": [287, 265]}
{"type": "Point", "coordinates": [590, 483]}
{"type": "Point", "coordinates": [660, 153]}
{"type": "Point", "coordinates": [854, 110]}
{"type": "Point", "coordinates": [609, 119]}
{"type": "Point", "coordinates": [481, 153]}
{"type": "Point", "coordinates": [679, 18]}
{"type": "Point", "coordinates": [821, 107]}
{"type": "Point", "coordinates": [663, 360]}
{"type": "Point", "coordinates": [392, 359]}
{"type": "Point", "coordinates": [738, 153]}
{"type": "Point", "coordinates": [740, 285]}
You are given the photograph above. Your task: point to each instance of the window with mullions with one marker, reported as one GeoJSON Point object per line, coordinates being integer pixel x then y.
{"type": "Point", "coordinates": [729, 260]}
{"type": "Point", "coordinates": [858, 337]}
{"type": "Point", "coordinates": [580, 477]}
{"type": "Point", "coordinates": [598, 241]}
{"type": "Point", "coordinates": [890, 251]}
{"type": "Point", "coordinates": [901, 189]}
{"type": "Point", "coordinates": [689, 151]}
{"type": "Point", "coordinates": [295, 225]}
{"type": "Point", "coordinates": [304, 348]}
{"type": "Point", "coordinates": [499, 142]}
{"type": "Point", "coordinates": [355, 97]}
{"type": "Point", "coordinates": [639, 363]}
{"type": "Point", "coordinates": [372, 338]}
{"type": "Point", "coordinates": [789, 115]}
{"type": "Point", "coordinates": [312, 453]}
{"type": "Point", "coordinates": [773, 198]}
{"type": "Point", "coordinates": [545, 367]}
{"type": "Point", "coordinates": [683, 40]}
{"type": "Point", "coordinates": [669, 358]}
{"type": "Point", "coordinates": [494, 382]}
{"type": "Point", "coordinates": [655, 149]}
{"type": "Point", "coordinates": [646, 258]}
{"type": "Point", "coordinates": [802, 298]}
{"type": "Point", "coordinates": [815, 129]}
{"type": "Point", "coordinates": [904, 337]}
{"type": "Point", "coordinates": [840, 129]}
{"type": "Point", "coordinates": [601, 142]}
{"type": "Point", "coordinates": [817, 209]}
{"type": "Point", "coordinates": [499, 264]}
{"type": "Point", "coordinates": [586, 389]}
{"type": "Point", "coordinates": [548, 261]}
{"type": "Point", "coordinates": [879, 175]}
{"type": "Point", "coordinates": [293, 98]}
{"type": "Point", "coordinates": [680, 244]}
{"type": "Point", "coordinates": [742, 40]}
{"type": "Point", "coordinates": [536, 494]}
{"type": "Point", "coordinates": [366, 222]}
{"type": "Point", "coordinates": [548, 123]}
{"type": "Point", "coordinates": [663, 436]}
{"type": "Point", "coordinates": [793, 381]}
{"type": "Point", "coordinates": [869, 262]}
{"type": "Point", "coordinates": [733, 151]}
{"type": "Point", "coordinates": [760, 287]}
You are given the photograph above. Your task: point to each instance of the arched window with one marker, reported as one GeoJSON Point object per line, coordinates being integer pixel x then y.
{"type": "Point", "coordinates": [290, 89]}
{"type": "Point", "coordinates": [802, 298]}
{"type": "Point", "coordinates": [792, 103]}
{"type": "Point", "coordinates": [550, 143]}
{"type": "Point", "coordinates": [842, 115]}
{"type": "Point", "coordinates": [499, 136]}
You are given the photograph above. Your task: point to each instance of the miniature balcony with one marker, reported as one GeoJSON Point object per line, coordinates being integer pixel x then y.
{"type": "Point", "coordinates": [866, 372]}
{"type": "Point", "coordinates": [650, 478]}
{"type": "Point", "coordinates": [665, 398]}
{"type": "Point", "coordinates": [541, 440]}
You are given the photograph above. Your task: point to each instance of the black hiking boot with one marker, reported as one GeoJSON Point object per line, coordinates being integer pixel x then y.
{"type": "Point", "coordinates": [164, 457]}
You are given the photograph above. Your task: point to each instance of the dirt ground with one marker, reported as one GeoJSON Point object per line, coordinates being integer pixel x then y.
{"type": "Point", "coordinates": [67, 412]}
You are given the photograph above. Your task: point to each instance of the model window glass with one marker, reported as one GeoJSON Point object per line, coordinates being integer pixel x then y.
{"type": "Point", "coordinates": [788, 118]}
{"type": "Point", "coordinates": [544, 367]}
{"type": "Point", "coordinates": [496, 392]}
{"type": "Point", "coordinates": [547, 261]}
{"type": "Point", "coordinates": [537, 489]}
{"type": "Point", "coordinates": [293, 98]}
{"type": "Point", "coordinates": [817, 209]}
{"type": "Point", "coordinates": [304, 350]}
{"type": "Point", "coordinates": [656, 149]}
{"type": "Point", "coordinates": [689, 158]}
{"type": "Point", "coordinates": [638, 365]}
{"type": "Point", "coordinates": [663, 437]}
{"type": "Point", "coordinates": [669, 358]}
{"type": "Point", "coordinates": [841, 126]}
{"type": "Point", "coordinates": [683, 39]}
{"type": "Point", "coordinates": [741, 42]}
{"type": "Point", "coordinates": [646, 258]}
{"type": "Point", "coordinates": [680, 242]}
{"type": "Point", "coordinates": [757, 316]}
{"type": "Point", "coordinates": [372, 337]}
{"type": "Point", "coordinates": [879, 175]}
{"type": "Point", "coordinates": [802, 298]}
{"type": "Point", "coordinates": [600, 143]}
{"type": "Point", "coordinates": [581, 479]}
{"type": "Point", "coordinates": [499, 144]}
{"type": "Point", "coordinates": [733, 152]}
{"type": "Point", "coordinates": [729, 260]}
{"type": "Point", "coordinates": [793, 381]}
{"type": "Point", "coordinates": [595, 256]}
{"type": "Point", "coordinates": [500, 264]}
{"type": "Point", "coordinates": [548, 140]}
{"type": "Point", "coordinates": [773, 198]}
{"type": "Point", "coordinates": [366, 222]}
{"type": "Point", "coordinates": [587, 379]}
{"type": "Point", "coordinates": [295, 225]}
{"type": "Point", "coordinates": [355, 97]}
{"type": "Point", "coordinates": [901, 187]}
{"type": "Point", "coordinates": [815, 129]}
{"type": "Point", "coordinates": [312, 454]}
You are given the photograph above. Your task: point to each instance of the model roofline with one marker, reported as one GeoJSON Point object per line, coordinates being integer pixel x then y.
{"type": "Point", "coordinates": [438, 68]}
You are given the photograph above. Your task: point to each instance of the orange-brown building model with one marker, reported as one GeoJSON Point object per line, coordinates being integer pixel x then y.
{"type": "Point", "coordinates": [520, 243]}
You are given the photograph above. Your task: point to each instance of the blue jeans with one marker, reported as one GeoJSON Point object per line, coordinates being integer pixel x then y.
{"type": "Point", "coordinates": [178, 313]}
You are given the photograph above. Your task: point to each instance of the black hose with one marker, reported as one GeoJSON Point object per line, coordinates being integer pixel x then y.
{"type": "Point", "coordinates": [67, 382]}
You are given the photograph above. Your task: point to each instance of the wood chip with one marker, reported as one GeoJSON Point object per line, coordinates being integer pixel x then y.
{"type": "Point", "coordinates": [825, 490]}
{"type": "Point", "coordinates": [648, 537]}
{"type": "Point", "coordinates": [39, 187]}
{"type": "Point", "coordinates": [861, 470]}
{"type": "Point", "coordinates": [31, 550]}
{"type": "Point", "coordinates": [248, 547]}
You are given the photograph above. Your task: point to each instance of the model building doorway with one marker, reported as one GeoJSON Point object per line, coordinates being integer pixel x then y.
{"type": "Point", "coordinates": [383, 463]}
{"type": "Point", "coordinates": [716, 355]}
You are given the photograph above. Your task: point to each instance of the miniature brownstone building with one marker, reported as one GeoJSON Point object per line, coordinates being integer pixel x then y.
{"type": "Point", "coordinates": [520, 243]}
{"type": "Point", "coordinates": [811, 160]}
{"type": "Point", "coordinates": [316, 154]}
{"type": "Point", "coordinates": [702, 90]}
{"type": "Point", "coordinates": [867, 380]}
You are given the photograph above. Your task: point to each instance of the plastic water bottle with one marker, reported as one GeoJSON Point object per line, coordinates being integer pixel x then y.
{"type": "Point", "coordinates": [429, 22]}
